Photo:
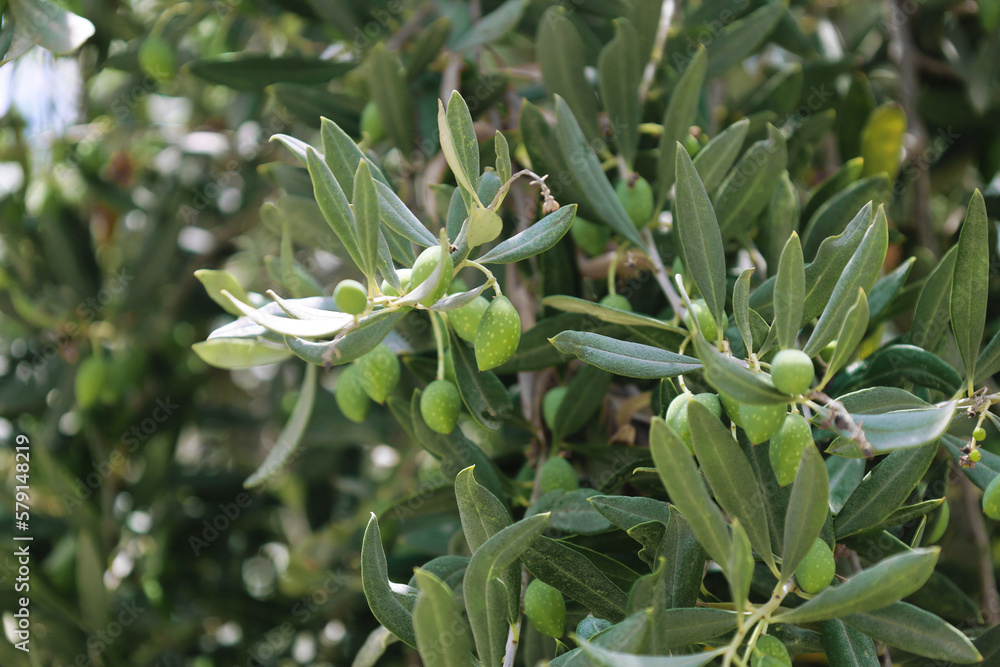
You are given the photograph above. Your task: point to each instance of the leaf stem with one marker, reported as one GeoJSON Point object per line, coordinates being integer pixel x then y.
{"type": "Point", "coordinates": [436, 324]}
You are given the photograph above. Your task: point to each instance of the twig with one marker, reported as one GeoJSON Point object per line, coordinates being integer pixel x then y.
{"type": "Point", "coordinates": [991, 600]}
{"type": "Point", "coordinates": [666, 15]}
{"type": "Point", "coordinates": [661, 274]}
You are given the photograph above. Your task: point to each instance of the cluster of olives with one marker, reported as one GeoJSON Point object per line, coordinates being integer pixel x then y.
{"type": "Point", "coordinates": [493, 327]}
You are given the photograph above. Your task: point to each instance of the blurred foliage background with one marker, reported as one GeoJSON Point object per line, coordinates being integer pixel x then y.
{"type": "Point", "coordinates": [131, 162]}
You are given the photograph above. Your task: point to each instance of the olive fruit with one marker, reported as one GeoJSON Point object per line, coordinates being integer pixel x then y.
{"type": "Point", "coordinates": [616, 301]}
{"type": "Point", "coordinates": [440, 404]}
{"type": "Point", "coordinates": [550, 405]}
{"type": "Point", "coordinates": [975, 455]}
{"type": "Point", "coordinates": [771, 661]}
{"type": "Point", "coordinates": [770, 646]}
{"type": "Point", "coordinates": [816, 570]}
{"type": "Point", "coordinates": [351, 297]}
{"type": "Point", "coordinates": [91, 375]}
{"type": "Point", "coordinates": [458, 285]}
{"type": "Point", "coordinates": [636, 197]}
{"type": "Point", "coordinates": [787, 446]}
{"type": "Point", "coordinates": [991, 499]}
{"type": "Point", "coordinates": [692, 145]}
{"type": "Point", "coordinates": [826, 354]}
{"type": "Point", "coordinates": [590, 626]}
{"type": "Point", "coordinates": [465, 320]}
{"type": "Point", "coordinates": [792, 371]}
{"type": "Point", "coordinates": [378, 372]}
{"type": "Point", "coordinates": [703, 316]}
{"type": "Point", "coordinates": [732, 407]}
{"type": "Point", "coordinates": [677, 413]}
{"type": "Point", "coordinates": [424, 267]}
{"type": "Point", "coordinates": [591, 237]}
{"type": "Point", "coordinates": [545, 608]}
{"type": "Point", "coordinates": [484, 226]}
{"type": "Point", "coordinates": [761, 422]}
{"type": "Point", "coordinates": [498, 334]}
{"type": "Point", "coordinates": [351, 398]}
{"type": "Point", "coordinates": [938, 523]}
{"type": "Point", "coordinates": [557, 473]}
{"type": "Point", "coordinates": [404, 283]}
{"type": "Point", "coordinates": [979, 434]}
{"type": "Point", "coordinates": [371, 123]}
{"type": "Point", "coordinates": [156, 58]}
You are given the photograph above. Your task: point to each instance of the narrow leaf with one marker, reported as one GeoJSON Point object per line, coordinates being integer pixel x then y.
{"type": "Point", "coordinates": [678, 119]}
{"type": "Point", "coordinates": [333, 204]}
{"type": "Point", "coordinates": [916, 631]}
{"type": "Point", "coordinates": [718, 155]}
{"type": "Point", "coordinates": [726, 374]}
{"type": "Point", "coordinates": [852, 331]}
{"type": "Point", "coordinates": [536, 239]}
{"type": "Point", "coordinates": [808, 508]}
{"type": "Point", "coordinates": [970, 285]}
{"type": "Point", "coordinates": [619, 72]}
{"type": "Point", "coordinates": [385, 606]}
{"type": "Point", "coordinates": [366, 219]}
{"type": "Point", "coordinates": [789, 293]}
{"type": "Point", "coordinates": [623, 358]}
{"type": "Point", "coordinates": [441, 633]}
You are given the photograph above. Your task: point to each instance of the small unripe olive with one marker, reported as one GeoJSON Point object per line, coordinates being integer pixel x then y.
{"type": "Point", "coordinates": [484, 226]}
{"type": "Point", "coordinates": [792, 371]}
{"type": "Point", "coordinates": [91, 376]}
{"type": "Point", "coordinates": [991, 499]}
{"type": "Point", "coordinates": [545, 608]}
{"type": "Point", "coordinates": [498, 334]}
{"type": "Point", "coordinates": [550, 405]}
{"type": "Point", "coordinates": [975, 456]}
{"type": "Point", "coordinates": [440, 404]}
{"type": "Point", "coordinates": [591, 237]}
{"type": "Point", "coordinates": [350, 396]}
{"type": "Point", "coordinates": [557, 473]}
{"type": "Point", "coordinates": [703, 316]}
{"type": "Point", "coordinates": [351, 297]}
{"type": "Point", "coordinates": [677, 413]}
{"type": "Point", "coordinates": [770, 646]}
{"type": "Point", "coordinates": [404, 283]}
{"type": "Point", "coordinates": [761, 422]}
{"type": "Point", "coordinates": [371, 123]}
{"type": "Point", "coordinates": [732, 407]}
{"type": "Point", "coordinates": [616, 301]}
{"type": "Point", "coordinates": [156, 58]}
{"type": "Point", "coordinates": [465, 320]}
{"type": "Point", "coordinates": [816, 570]}
{"type": "Point", "coordinates": [636, 196]}
{"type": "Point", "coordinates": [938, 523]}
{"type": "Point", "coordinates": [979, 434]}
{"type": "Point", "coordinates": [826, 354]}
{"type": "Point", "coordinates": [378, 372]}
{"type": "Point", "coordinates": [458, 285]}
{"type": "Point", "coordinates": [424, 267]}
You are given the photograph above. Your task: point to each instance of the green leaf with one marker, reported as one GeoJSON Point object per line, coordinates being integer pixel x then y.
{"type": "Point", "coordinates": [680, 477]}
{"type": "Point", "coordinates": [619, 72]}
{"type": "Point", "coordinates": [240, 352]}
{"type": "Point", "coordinates": [427, 46]}
{"type": "Point", "coordinates": [886, 289]}
{"type": "Point", "coordinates": [685, 562]}
{"type": "Point", "coordinates": [584, 397]}
{"type": "Point", "coordinates": [847, 647]}
{"type": "Point", "coordinates": [562, 57]}
{"type": "Point", "coordinates": [718, 155]}
{"type": "Point", "coordinates": [572, 304]}
{"type": "Point", "coordinates": [894, 364]}
{"type": "Point", "coordinates": [741, 307]}
{"type": "Point", "coordinates": [877, 400]}
{"type": "Point", "coordinates": [835, 215]}
{"type": "Point", "coordinates": [366, 219]}
{"type": "Point", "coordinates": [50, 26]}
{"type": "Point", "coordinates": [570, 512]}
{"type": "Point", "coordinates": [388, 89]}
{"type": "Point", "coordinates": [487, 609]}
{"type": "Point", "coordinates": [678, 119]}
{"type": "Point", "coordinates": [726, 374]}
{"type": "Point", "coordinates": [324, 323]}
{"type": "Point", "coordinates": [459, 145]}
{"type": "Point", "coordinates": [503, 156]}
{"type": "Point", "coordinates": [341, 154]}
{"type": "Point", "coordinates": [483, 393]}
{"type": "Point", "coordinates": [988, 363]}
{"type": "Point", "coordinates": [628, 635]}
{"type": "Point", "coordinates": [216, 281]}
{"type": "Point", "coordinates": [586, 169]}
{"type": "Point", "coordinates": [684, 627]}
{"type": "Point", "coordinates": [623, 358]}
{"type": "Point", "coordinates": [572, 573]}
{"type": "Point", "coordinates": [291, 435]}
{"type": "Point", "coordinates": [852, 332]}
{"type": "Point", "coordinates": [733, 481]}
{"type": "Point", "coordinates": [845, 475]}
{"type": "Point", "coordinates": [741, 38]}
{"type": "Point", "coordinates": [535, 240]}
{"type": "Point", "coordinates": [860, 272]}
{"type": "Point", "coordinates": [90, 568]}
{"type": "Point", "coordinates": [397, 216]}
{"type": "Point", "coordinates": [874, 588]}
{"type": "Point", "coordinates": [970, 285]}
{"type": "Point", "coordinates": [898, 430]}
{"type": "Point", "coordinates": [493, 26]}
{"type": "Point", "coordinates": [808, 508]}
{"type": "Point", "coordinates": [916, 631]}
{"type": "Point", "coordinates": [604, 658]}
{"type": "Point", "coordinates": [984, 472]}
{"type": "Point", "coordinates": [334, 205]}
{"type": "Point", "coordinates": [542, 145]}
{"type": "Point", "coordinates": [789, 293]}
{"type": "Point", "coordinates": [748, 187]}
{"type": "Point", "coordinates": [882, 140]}
{"type": "Point", "coordinates": [360, 339]}
{"type": "Point", "coordinates": [255, 71]}
{"type": "Point", "coordinates": [628, 511]}
{"type": "Point", "coordinates": [698, 237]}
{"type": "Point", "coordinates": [483, 515]}
{"type": "Point", "coordinates": [884, 489]}
{"type": "Point", "coordinates": [385, 606]}
{"type": "Point", "coordinates": [441, 634]}
{"type": "Point", "coordinates": [740, 567]}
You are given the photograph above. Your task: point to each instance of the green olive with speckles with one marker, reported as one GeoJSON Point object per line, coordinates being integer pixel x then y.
{"type": "Point", "coordinates": [732, 407]}
{"type": "Point", "coordinates": [816, 570]}
{"type": "Point", "coordinates": [545, 608]}
{"type": "Point", "coordinates": [404, 283]}
{"type": "Point", "coordinates": [424, 267]}
{"type": "Point", "coordinates": [787, 447]}
{"type": "Point", "coordinates": [550, 405]}
{"type": "Point", "coordinates": [636, 197]}
{"type": "Point", "coordinates": [350, 396]}
{"type": "Point", "coordinates": [761, 422]}
{"type": "Point", "coordinates": [440, 404]}
{"type": "Point", "coordinates": [465, 320]}
{"type": "Point", "coordinates": [769, 646]}
{"type": "Point", "coordinates": [557, 473]}
{"type": "Point", "coordinates": [589, 236]}
{"type": "Point", "coordinates": [378, 372]}
{"type": "Point", "coordinates": [703, 317]}
{"type": "Point", "coordinates": [498, 334]}
{"type": "Point", "coordinates": [792, 372]}
{"type": "Point", "coordinates": [677, 413]}
{"type": "Point", "coordinates": [991, 499]}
